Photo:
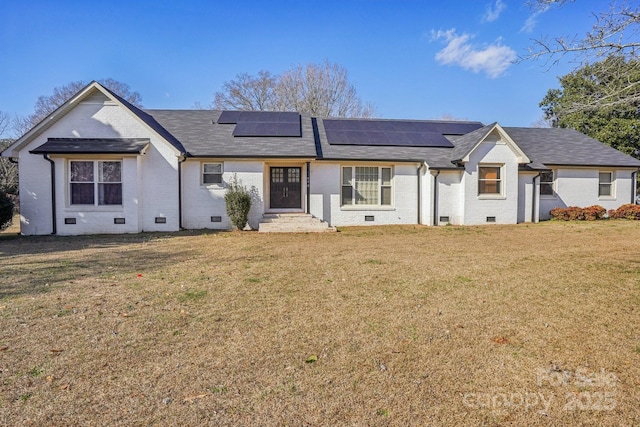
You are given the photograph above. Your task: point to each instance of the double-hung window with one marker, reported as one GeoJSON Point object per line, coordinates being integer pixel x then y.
{"type": "Point", "coordinates": [366, 185]}
{"type": "Point", "coordinates": [490, 180]}
{"type": "Point", "coordinates": [605, 184]}
{"type": "Point", "coordinates": [546, 183]}
{"type": "Point", "coordinates": [95, 181]}
{"type": "Point", "coordinates": [212, 173]}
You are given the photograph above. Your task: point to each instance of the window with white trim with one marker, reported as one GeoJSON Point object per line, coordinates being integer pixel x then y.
{"type": "Point", "coordinates": [546, 183]}
{"type": "Point", "coordinates": [605, 184]}
{"type": "Point", "coordinates": [95, 182]}
{"type": "Point", "coordinates": [366, 185]}
{"type": "Point", "coordinates": [212, 173]}
{"type": "Point", "coordinates": [489, 180]}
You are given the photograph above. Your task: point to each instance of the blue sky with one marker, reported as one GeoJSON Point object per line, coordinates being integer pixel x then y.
{"type": "Point", "coordinates": [410, 59]}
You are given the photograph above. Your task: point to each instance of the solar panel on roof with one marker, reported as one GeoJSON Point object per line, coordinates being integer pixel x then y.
{"type": "Point", "coordinates": [229, 117]}
{"type": "Point", "coordinates": [234, 117]}
{"type": "Point", "coordinates": [394, 132]}
{"type": "Point", "coordinates": [262, 123]}
{"type": "Point", "coordinates": [267, 129]}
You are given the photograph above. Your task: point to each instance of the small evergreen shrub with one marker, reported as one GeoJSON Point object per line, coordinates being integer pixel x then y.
{"type": "Point", "coordinates": [6, 210]}
{"type": "Point", "coordinates": [238, 201]}
{"type": "Point", "coordinates": [628, 211]}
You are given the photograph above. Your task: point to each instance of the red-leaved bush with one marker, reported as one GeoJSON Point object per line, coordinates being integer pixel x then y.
{"type": "Point", "coordinates": [594, 212]}
{"type": "Point", "coordinates": [628, 211]}
{"type": "Point", "coordinates": [574, 213]}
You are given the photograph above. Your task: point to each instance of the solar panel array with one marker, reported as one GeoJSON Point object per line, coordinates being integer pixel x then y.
{"type": "Point", "coordinates": [395, 133]}
{"type": "Point", "coordinates": [262, 123]}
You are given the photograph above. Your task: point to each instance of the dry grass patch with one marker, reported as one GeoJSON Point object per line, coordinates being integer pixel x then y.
{"type": "Point", "coordinates": [497, 325]}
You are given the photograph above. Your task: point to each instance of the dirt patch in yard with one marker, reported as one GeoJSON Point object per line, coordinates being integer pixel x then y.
{"type": "Point", "coordinates": [495, 325]}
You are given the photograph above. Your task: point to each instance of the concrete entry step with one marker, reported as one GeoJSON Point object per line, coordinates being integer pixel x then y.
{"type": "Point", "coordinates": [293, 223]}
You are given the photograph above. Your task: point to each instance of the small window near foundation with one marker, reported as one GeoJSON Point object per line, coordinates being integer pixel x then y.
{"type": "Point", "coordinates": [491, 219]}
{"type": "Point", "coordinates": [69, 220]}
{"type": "Point", "coordinates": [216, 219]}
{"type": "Point", "coordinates": [161, 220]}
{"type": "Point", "coordinates": [118, 220]}
{"type": "Point", "coordinates": [369, 218]}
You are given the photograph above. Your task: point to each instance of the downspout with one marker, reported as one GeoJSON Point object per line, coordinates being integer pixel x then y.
{"type": "Point", "coordinates": [53, 193]}
{"type": "Point", "coordinates": [181, 159]}
{"type": "Point", "coordinates": [419, 192]}
{"type": "Point", "coordinates": [634, 190]}
{"type": "Point", "coordinates": [308, 188]}
{"type": "Point", "coordinates": [435, 198]}
{"type": "Point", "coordinates": [533, 198]}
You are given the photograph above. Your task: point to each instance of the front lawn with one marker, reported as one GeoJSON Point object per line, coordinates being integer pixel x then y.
{"type": "Point", "coordinates": [492, 325]}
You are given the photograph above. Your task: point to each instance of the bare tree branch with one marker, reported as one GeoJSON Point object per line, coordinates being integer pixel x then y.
{"type": "Point", "coordinates": [46, 104]}
{"type": "Point", "coordinates": [317, 89]}
{"type": "Point", "coordinates": [615, 32]}
{"type": "Point", "coordinates": [247, 93]}
{"type": "Point", "coordinates": [5, 122]}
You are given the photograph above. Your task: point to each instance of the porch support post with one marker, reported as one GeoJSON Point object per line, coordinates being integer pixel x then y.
{"type": "Point", "coordinates": [308, 209]}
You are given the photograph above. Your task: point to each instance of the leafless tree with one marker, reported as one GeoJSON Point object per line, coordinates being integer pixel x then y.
{"type": "Point", "coordinates": [5, 121]}
{"type": "Point", "coordinates": [321, 90]}
{"type": "Point", "coordinates": [247, 92]}
{"type": "Point", "coordinates": [447, 117]}
{"type": "Point", "coordinates": [46, 104]}
{"type": "Point", "coordinates": [613, 35]}
{"type": "Point", "coordinates": [542, 122]}
{"type": "Point", "coordinates": [615, 32]}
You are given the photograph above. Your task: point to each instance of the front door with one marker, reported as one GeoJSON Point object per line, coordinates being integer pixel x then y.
{"type": "Point", "coordinates": [286, 189]}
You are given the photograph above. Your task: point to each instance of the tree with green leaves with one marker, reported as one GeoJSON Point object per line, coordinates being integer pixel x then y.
{"type": "Point", "coordinates": [601, 100]}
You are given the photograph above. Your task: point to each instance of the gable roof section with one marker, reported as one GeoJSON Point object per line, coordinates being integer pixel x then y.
{"type": "Point", "coordinates": [466, 144]}
{"type": "Point", "coordinates": [149, 121]}
{"type": "Point", "coordinates": [203, 136]}
{"type": "Point", "coordinates": [568, 147]}
{"type": "Point", "coordinates": [84, 93]}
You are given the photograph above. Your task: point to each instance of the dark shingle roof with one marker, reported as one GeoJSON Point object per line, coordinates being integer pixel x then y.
{"type": "Point", "coordinates": [197, 133]}
{"type": "Point", "coordinates": [149, 121]}
{"type": "Point", "coordinates": [202, 136]}
{"type": "Point", "coordinates": [464, 144]}
{"type": "Point", "coordinates": [92, 146]}
{"type": "Point", "coordinates": [567, 147]}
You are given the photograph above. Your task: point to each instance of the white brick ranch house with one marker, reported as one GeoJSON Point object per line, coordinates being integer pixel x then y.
{"type": "Point", "coordinates": [100, 165]}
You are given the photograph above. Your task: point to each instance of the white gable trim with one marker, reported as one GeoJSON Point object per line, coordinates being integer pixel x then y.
{"type": "Point", "coordinates": [505, 138]}
{"type": "Point", "coordinates": [14, 149]}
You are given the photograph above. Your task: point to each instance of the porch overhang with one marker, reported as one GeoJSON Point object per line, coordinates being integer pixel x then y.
{"type": "Point", "coordinates": [124, 146]}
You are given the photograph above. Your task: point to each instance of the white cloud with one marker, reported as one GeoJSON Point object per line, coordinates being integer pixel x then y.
{"type": "Point", "coordinates": [493, 59]}
{"type": "Point", "coordinates": [532, 20]}
{"type": "Point", "coordinates": [493, 11]}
